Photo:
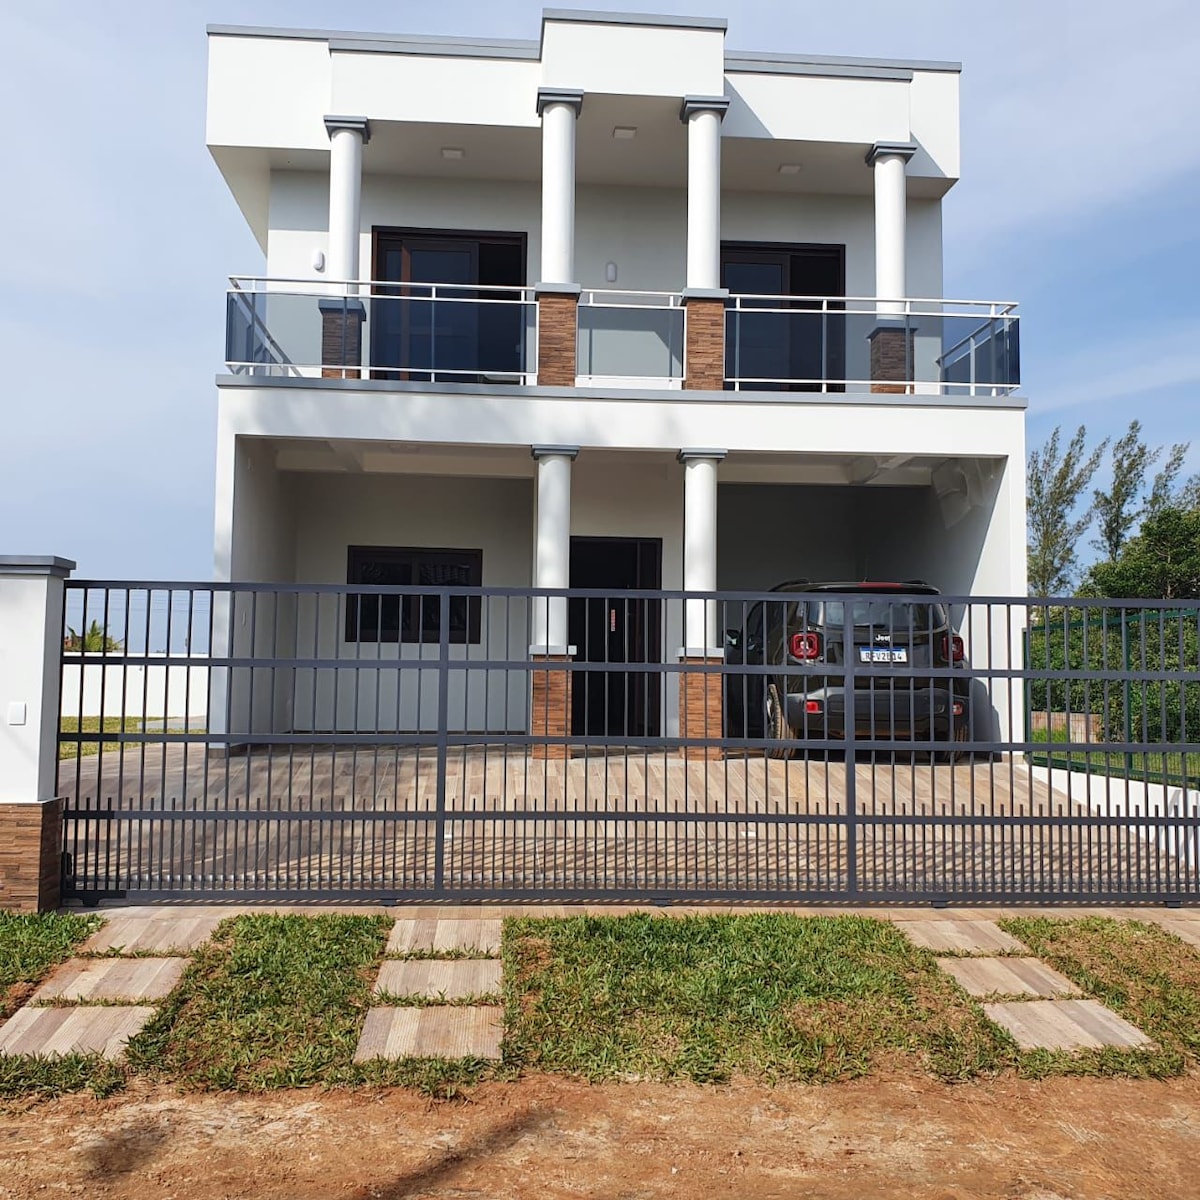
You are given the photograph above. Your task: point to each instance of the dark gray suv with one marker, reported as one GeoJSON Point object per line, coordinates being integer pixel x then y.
{"type": "Point", "coordinates": [893, 628]}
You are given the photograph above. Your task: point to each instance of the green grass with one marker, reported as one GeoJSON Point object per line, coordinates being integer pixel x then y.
{"type": "Point", "coordinates": [773, 997]}
{"type": "Point", "coordinates": [1140, 971]}
{"type": "Point", "coordinates": [70, 725]}
{"type": "Point", "coordinates": [30, 945]}
{"type": "Point", "coordinates": [45, 1078]}
{"type": "Point", "coordinates": [1168, 769]}
{"type": "Point", "coordinates": [278, 1001]}
{"type": "Point", "coordinates": [270, 1002]}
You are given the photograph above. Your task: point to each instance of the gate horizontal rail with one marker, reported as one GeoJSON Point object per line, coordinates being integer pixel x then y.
{"type": "Point", "coordinates": [249, 741]}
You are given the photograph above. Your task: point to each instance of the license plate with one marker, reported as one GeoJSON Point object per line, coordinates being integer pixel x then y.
{"type": "Point", "coordinates": [874, 654]}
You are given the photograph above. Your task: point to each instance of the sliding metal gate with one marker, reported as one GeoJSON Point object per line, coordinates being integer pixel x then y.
{"type": "Point", "coordinates": [305, 741]}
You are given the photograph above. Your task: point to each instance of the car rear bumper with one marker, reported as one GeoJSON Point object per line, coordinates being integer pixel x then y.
{"type": "Point", "coordinates": [882, 712]}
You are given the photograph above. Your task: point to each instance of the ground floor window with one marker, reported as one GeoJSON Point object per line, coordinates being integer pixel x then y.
{"type": "Point", "coordinates": [375, 617]}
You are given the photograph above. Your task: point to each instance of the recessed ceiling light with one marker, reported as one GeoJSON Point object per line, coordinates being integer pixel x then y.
{"type": "Point", "coordinates": [452, 152]}
{"type": "Point", "coordinates": [625, 133]}
{"type": "Point", "coordinates": [790, 168]}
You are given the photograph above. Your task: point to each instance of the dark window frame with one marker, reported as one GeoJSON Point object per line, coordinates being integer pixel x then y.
{"type": "Point", "coordinates": [380, 618]}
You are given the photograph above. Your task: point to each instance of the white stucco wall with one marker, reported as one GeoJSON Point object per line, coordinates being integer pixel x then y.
{"type": "Point", "coordinates": [642, 230]}
{"type": "Point", "coordinates": [632, 59]}
{"type": "Point", "coordinates": [337, 511]}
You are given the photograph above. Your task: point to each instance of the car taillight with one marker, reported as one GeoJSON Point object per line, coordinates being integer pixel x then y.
{"type": "Point", "coordinates": [952, 649]}
{"type": "Point", "coordinates": [805, 646]}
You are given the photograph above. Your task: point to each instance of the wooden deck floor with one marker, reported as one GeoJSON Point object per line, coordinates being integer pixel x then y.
{"type": "Point", "coordinates": [375, 820]}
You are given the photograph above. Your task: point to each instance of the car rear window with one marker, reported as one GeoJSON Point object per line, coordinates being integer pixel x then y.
{"type": "Point", "coordinates": [877, 613]}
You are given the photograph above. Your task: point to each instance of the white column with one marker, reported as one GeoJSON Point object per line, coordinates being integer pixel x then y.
{"type": "Point", "coordinates": [558, 108]}
{"type": "Point", "coordinates": [703, 115]}
{"type": "Point", "coordinates": [31, 632]}
{"type": "Point", "coordinates": [347, 136]}
{"type": "Point", "coordinates": [889, 160]}
{"type": "Point", "coordinates": [552, 550]}
{"type": "Point", "coordinates": [700, 550]}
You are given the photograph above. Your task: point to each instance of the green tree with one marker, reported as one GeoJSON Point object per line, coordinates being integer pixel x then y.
{"type": "Point", "coordinates": [93, 640]}
{"type": "Point", "coordinates": [1057, 479]}
{"type": "Point", "coordinates": [1119, 506]}
{"type": "Point", "coordinates": [1161, 562]}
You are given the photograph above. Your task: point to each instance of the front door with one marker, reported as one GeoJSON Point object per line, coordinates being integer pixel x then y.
{"type": "Point", "coordinates": [616, 631]}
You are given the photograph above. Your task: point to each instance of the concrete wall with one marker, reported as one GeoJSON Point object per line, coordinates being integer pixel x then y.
{"type": "Point", "coordinates": [173, 690]}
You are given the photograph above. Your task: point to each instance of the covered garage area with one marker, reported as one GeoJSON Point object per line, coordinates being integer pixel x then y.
{"type": "Point", "coordinates": [950, 522]}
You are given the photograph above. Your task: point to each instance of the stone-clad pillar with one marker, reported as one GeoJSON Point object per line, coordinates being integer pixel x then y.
{"type": "Point", "coordinates": [701, 692]}
{"type": "Point", "coordinates": [31, 630]}
{"type": "Point", "coordinates": [550, 692]}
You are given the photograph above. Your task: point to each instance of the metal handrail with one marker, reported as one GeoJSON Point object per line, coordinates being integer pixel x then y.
{"type": "Point", "coordinates": [912, 307]}
{"type": "Point", "coordinates": [597, 298]}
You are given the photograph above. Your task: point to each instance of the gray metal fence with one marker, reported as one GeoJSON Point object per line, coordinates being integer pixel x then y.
{"type": "Point", "coordinates": [359, 742]}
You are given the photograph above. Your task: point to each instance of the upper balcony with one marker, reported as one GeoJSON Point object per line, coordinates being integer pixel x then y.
{"type": "Point", "coordinates": [416, 333]}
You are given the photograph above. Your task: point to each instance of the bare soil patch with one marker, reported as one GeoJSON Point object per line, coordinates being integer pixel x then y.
{"type": "Point", "coordinates": [1058, 1139]}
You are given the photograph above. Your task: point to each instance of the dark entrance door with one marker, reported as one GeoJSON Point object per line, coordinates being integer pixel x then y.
{"type": "Point", "coordinates": [616, 630]}
{"type": "Point", "coordinates": [796, 343]}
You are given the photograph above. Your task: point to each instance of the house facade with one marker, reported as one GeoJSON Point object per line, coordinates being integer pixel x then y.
{"type": "Point", "coordinates": [618, 307]}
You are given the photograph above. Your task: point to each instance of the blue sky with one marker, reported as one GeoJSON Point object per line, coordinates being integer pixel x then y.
{"type": "Point", "coordinates": [1081, 171]}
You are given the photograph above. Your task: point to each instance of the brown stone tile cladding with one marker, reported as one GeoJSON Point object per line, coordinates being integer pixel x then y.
{"type": "Point", "coordinates": [891, 360]}
{"type": "Point", "coordinates": [704, 359]}
{"type": "Point", "coordinates": [701, 707]}
{"type": "Point", "coordinates": [550, 707]}
{"type": "Point", "coordinates": [30, 856]}
{"type": "Point", "coordinates": [557, 362]}
{"type": "Point", "coordinates": [341, 342]}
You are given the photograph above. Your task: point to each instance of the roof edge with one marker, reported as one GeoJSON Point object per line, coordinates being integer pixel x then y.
{"type": "Point", "coordinates": [764, 61]}
{"type": "Point", "coordinates": [586, 16]}
{"type": "Point", "coordinates": [417, 42]}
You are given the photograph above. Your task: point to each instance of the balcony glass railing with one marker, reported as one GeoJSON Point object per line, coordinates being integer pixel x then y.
{"type": "Point", "coordinates": [821, 344]}
{"type": "Point", "coordinates": [448, 333]}
{"type": "Point", "coordinates": [633, 336]}
{"type": "Point", "coordinates": [423, 332]}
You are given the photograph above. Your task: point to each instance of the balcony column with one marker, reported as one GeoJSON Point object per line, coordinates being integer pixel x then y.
{"type": "Point", "coordinates": [700, 689]}
{"type": "Point", "coordinates": [342, 319]}
{"type": "Point", "coordinates": [557, 290]}
{"type": "Point", "coordinates": [704, 365]}
{"type": "Point", "coordinates": [891, 340]}
{"type": "Point", "coordinates": [550, 699]}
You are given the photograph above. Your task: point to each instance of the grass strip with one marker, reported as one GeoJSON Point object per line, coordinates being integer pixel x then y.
{"type": "Point", "coordinates": [271, 1002]}
{"type": "Point", "coordinates": [116, 725]}
{"type": "Point", "coordinates": [1139, 970]}
{"type": "Point", "coordinates": [770, 996]}
{"type": "Point", "coordinates": [45, 1078]}
{"type": "Point", "coordinates": [30, 944]}
{"type": "Point", "coordinates": [386, 999]}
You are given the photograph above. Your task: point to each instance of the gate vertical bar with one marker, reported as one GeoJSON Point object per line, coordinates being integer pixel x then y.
{"type": "Point", "coordinates": [849, 719]}
{"type": "Point", "coordinates": [439, 864]}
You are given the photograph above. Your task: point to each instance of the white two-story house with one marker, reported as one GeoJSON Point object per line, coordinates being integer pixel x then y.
{"type": "Point", "coordinates": [618, 306]}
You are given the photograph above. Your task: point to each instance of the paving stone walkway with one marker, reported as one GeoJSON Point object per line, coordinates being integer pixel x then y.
{"type": "Point", "coordinates": [93, 1005]}
{"type": "Point", "coordinates": [1040, 1008]}
{"type": "Point", "coordinates": [425, 989]}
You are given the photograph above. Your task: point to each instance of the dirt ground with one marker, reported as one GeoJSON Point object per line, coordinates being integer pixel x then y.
{"type": "Point", "coordinates": [551, 1138]}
